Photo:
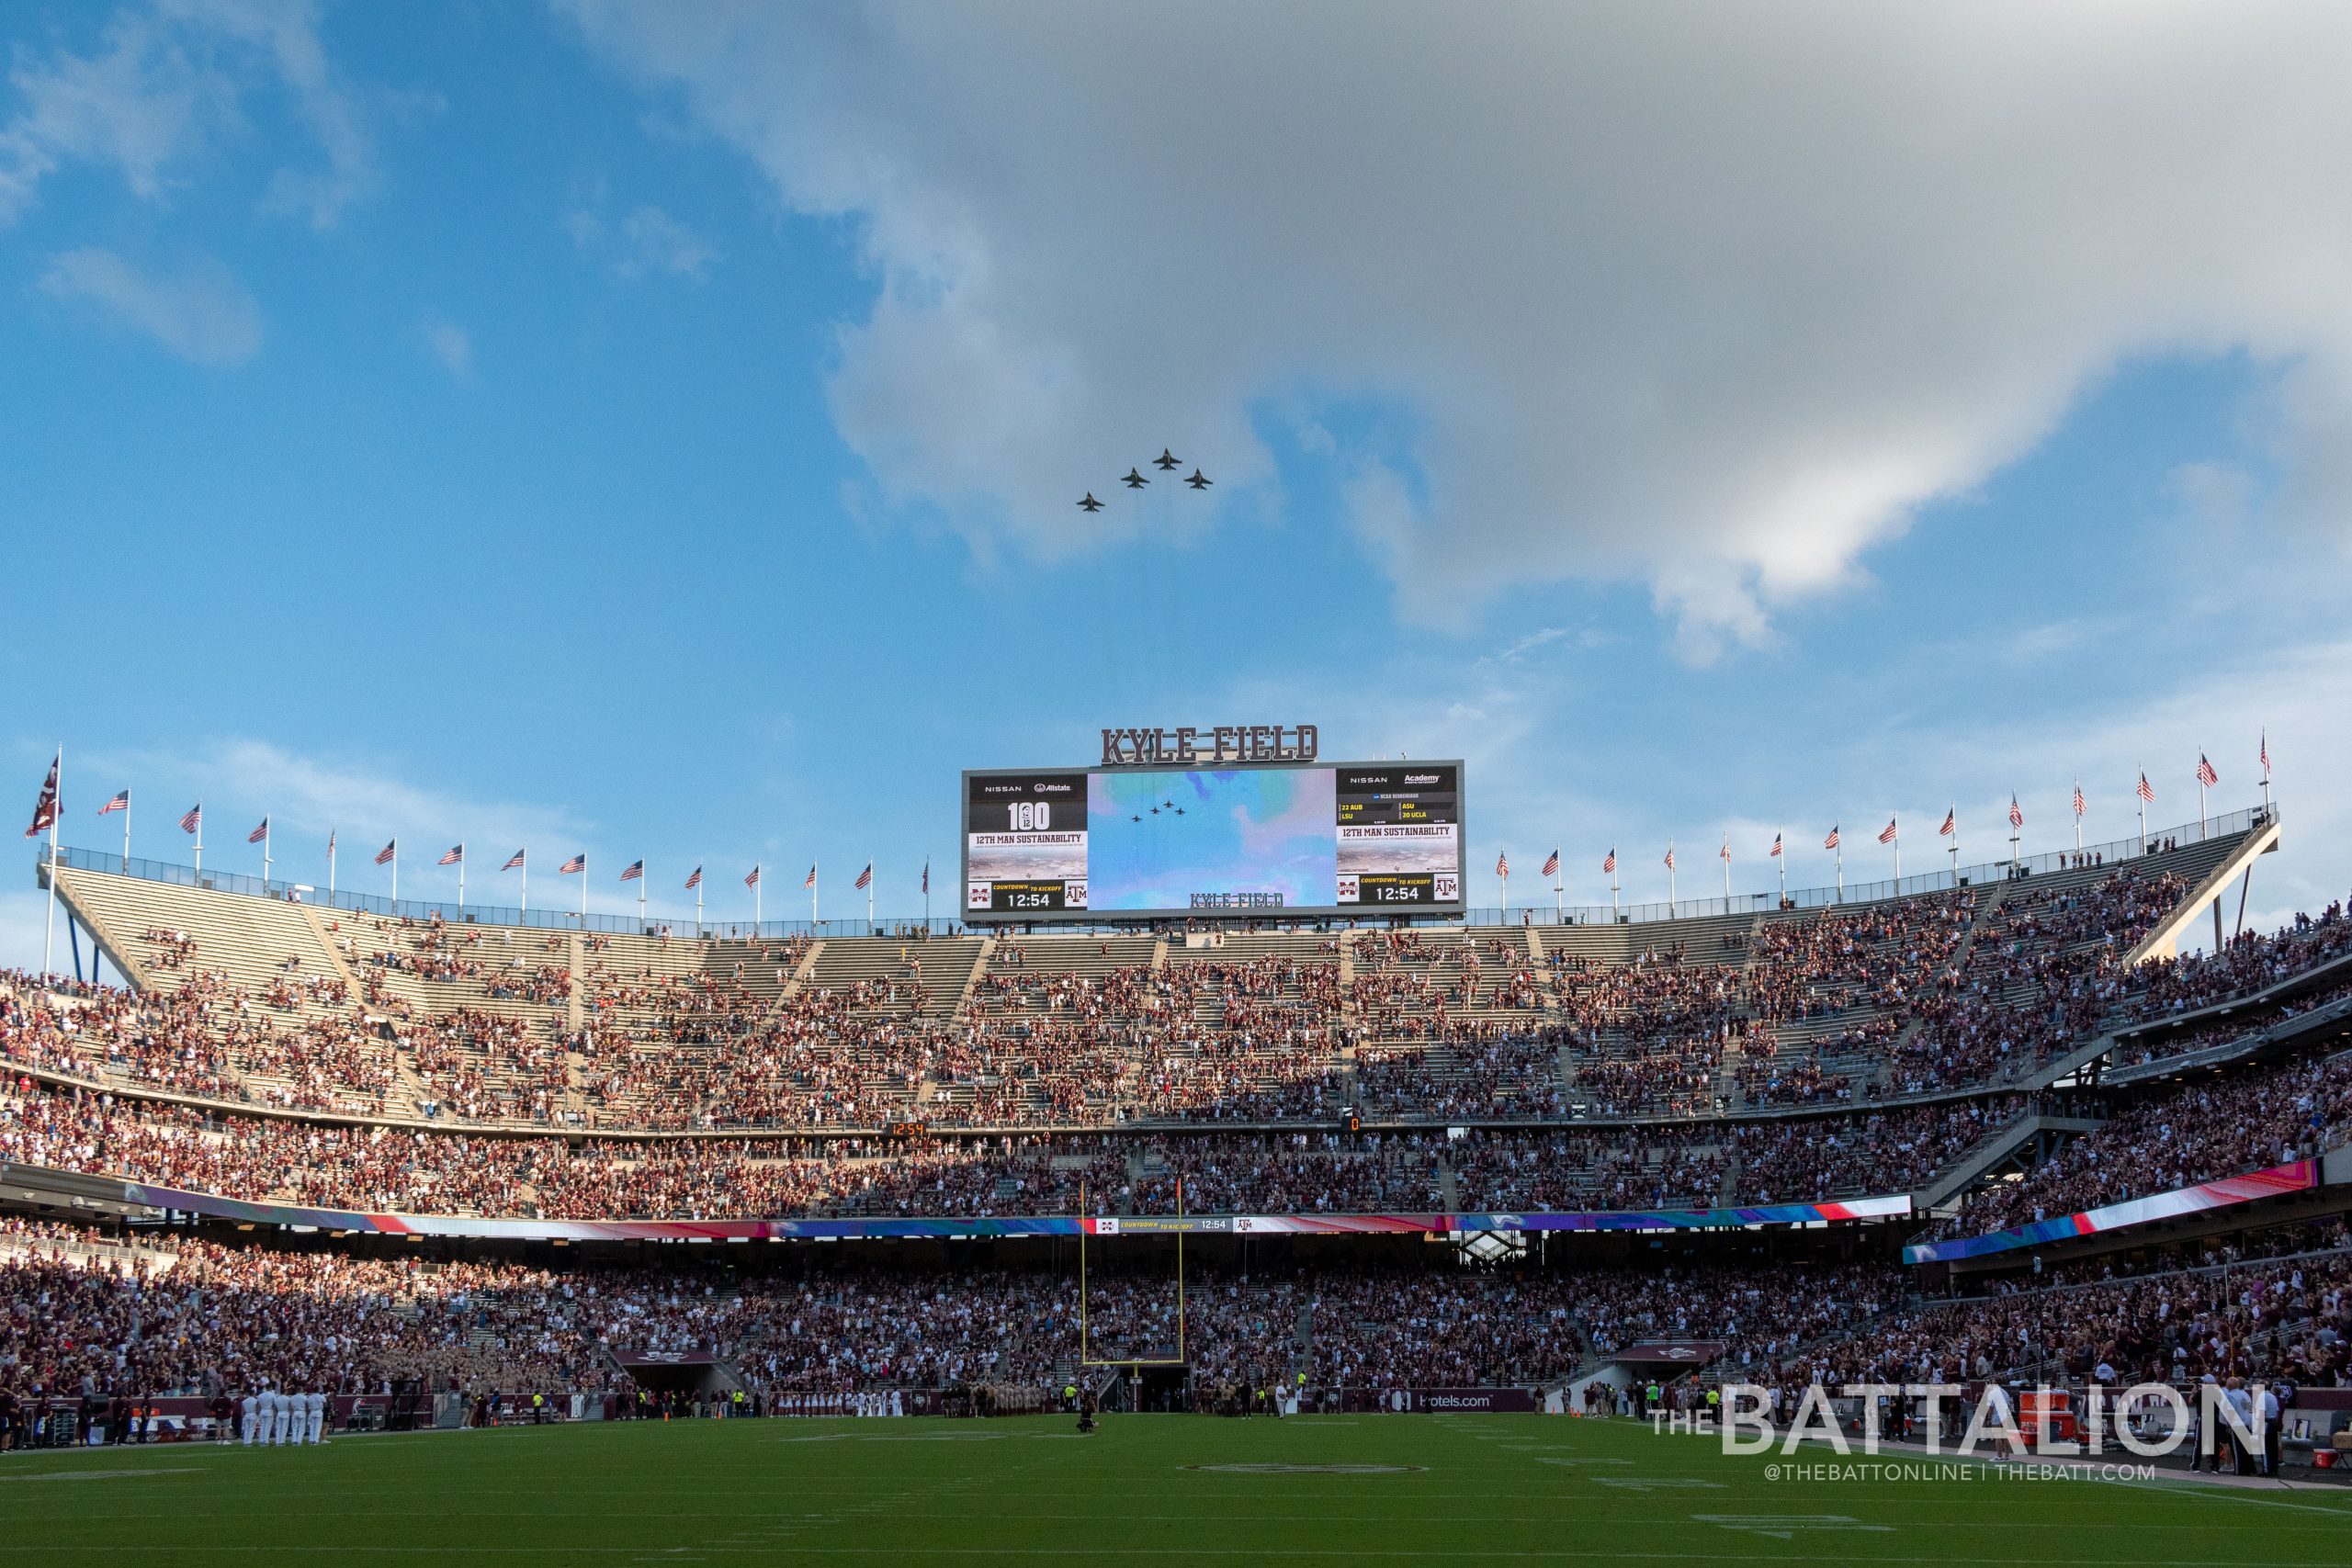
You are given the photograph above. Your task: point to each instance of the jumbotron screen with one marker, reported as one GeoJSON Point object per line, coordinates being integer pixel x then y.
{"type": "Point", "coordinates": [1228, 841]}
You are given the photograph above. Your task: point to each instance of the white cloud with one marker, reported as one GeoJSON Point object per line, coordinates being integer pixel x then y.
{"type": "Point", "coordinates": [203, 314]}
{"type": "Point", "coordinates": [1712, 303]}
{"type": "Point", "coordinates": [655, 241]}
{"type": "Point", "coordinates": [450, 345]}
{"type": "Point", "coordinates": [165, 82]}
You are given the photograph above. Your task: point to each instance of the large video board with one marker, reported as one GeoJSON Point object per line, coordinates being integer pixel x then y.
{"type": "Point", "coordinates": [1230, 841]}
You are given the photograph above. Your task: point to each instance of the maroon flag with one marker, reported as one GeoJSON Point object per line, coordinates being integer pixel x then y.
{"type": "Point", "coordinates": [45, 808]}
{"type": "Point", "coordinates": [926, 876]}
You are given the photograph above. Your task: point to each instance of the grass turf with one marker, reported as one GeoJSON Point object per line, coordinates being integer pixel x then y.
{"type": "Point", "coordinates": [1145, 1489]}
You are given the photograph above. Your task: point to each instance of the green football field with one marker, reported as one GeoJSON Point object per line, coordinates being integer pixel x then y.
{"type": "Point", "coordinates": [1149, 1489]}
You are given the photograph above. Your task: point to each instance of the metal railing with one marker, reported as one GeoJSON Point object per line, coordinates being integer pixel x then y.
{"type": "Point", "coordinates": [2117, 852]}
{"type": "Point", "coordinates": [555, 920]}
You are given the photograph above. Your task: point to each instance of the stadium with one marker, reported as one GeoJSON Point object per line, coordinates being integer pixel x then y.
{"type": "Point", "coordinates": [1192, 783]}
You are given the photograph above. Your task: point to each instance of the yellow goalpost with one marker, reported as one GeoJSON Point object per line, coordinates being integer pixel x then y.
{"type": "Point", "coordinates": [1086, 1357]}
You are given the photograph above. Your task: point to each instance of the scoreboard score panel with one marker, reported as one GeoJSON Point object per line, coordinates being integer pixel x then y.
{"type": "Point", "coordinates": [1240, 840]}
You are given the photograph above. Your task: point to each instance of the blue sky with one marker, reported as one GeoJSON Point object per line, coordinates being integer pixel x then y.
{"type": "Point", "coordinates": [652, 431]}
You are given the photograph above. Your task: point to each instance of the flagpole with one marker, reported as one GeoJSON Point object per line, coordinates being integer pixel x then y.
{"type": "Point", "coordinates": [640, 898]}
{"type": "Point", "coordinates": [2078, 817]}
{"type": "Point", "coordinates": [813, 898]}
{"type": "Point", "coordinates": [1898, 861]}
{"type": "Point", "coordinates": [265, 825]}
{"type": "Point", "coordinates": [1670, 899]}
{"type": "Point", "coordinates": [525, 869]}
{"type": "Point", "coordinates": [1778, 837]}
{"type": "Point", "coordinates": [584, 893]}
{"type": "Point", "coordinates": [697, 907]}
{"type": "Point", "coordinates": [1612, 886]}
{"type": "Point", "coordinates": [869, 897]}
{"type": "Point", "coordinates": [2142, 799]}
{"type": "Point", "coordinates": [461, 880]}
{"type": "Point", "coordinates": [56, 810]}
{"type": "Point", "coordinates": [757, 889]}
{"type": "Point", "coordinates": [1953, 812]}
{"type": "Point", "coordinates": [126, 821]}
{"type": "Point", "coordinates": [2201, 802]}
{"type": "Point", "coordinates": [2266, 797]}
{"type": "Point", "coordinates": [396, 875]}
{"type": "Point", "coordinates": [329, 865]}
{"type": "Point", "coordinates": [199, 839]}
{"type": "Point", "coordinates": [1727, 877]}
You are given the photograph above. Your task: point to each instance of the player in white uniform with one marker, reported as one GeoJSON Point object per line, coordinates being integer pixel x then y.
{"type": "Point", "coordinates": [248, 1410]}
{"type": "Point", "coordinates": [279, 1409]}
{"type": "Point", "coordinates": [315, 1416]}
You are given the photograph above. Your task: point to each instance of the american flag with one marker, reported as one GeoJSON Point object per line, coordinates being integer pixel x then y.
{"type": "Point", "coordinates": [2017, 813]}
{"type": "Point", "coordinates": [753, 880]}
{"type": "Point", "coordinates": [2205, 773]}
{"type": "Point", "coordinates": [926, 876]}
{"type": "Point", "coordinates": [2146, 791]}
{"type": "Point", "coordinates": [696, 880]}
{"type": "Point", "coordinates": [513, 863]}
{"type": "Point", "coordinates": [632, 871]}
{"type": "Point", "coordinates": [1952, 823]}
{"type": "Point", "coordinates": [1776, 846]}
{"type": "Point", "coordinates": [1609, 866]}
{"type": "Point", "coordinates": [574, 866]}
{"type": "Point", "coordinates": [258, 834]}
{"type": "Point", "coordinates": [45, 808]}
{"type": "Point", "coordinates": [456, 853]}
{"type": "Point", "coordinates": [2081, 806]}
{"type": "Point", "coordinates": [1725, 852]}
{"type": "Point", "coordinates": [1552, 865]}
{"type": "Point", "coordinates": [1886, 835]}
{"type": "Point", "coordinates": [194, 819]}
{"type": "Point", "coordinates": [331, 833]}
{"type": "Point", "coordinates": [2265, 765]}
{"type": "Point", "coordinates": [1830, 842]}
{"type": "Point", "coordinates": [1669, 857]}
{"type": "Point", "coordinates": [384, 855]}
{"type": "Point", "coordinates": [1502, 863]}
{"type": "Point", "coordinates": [866, 878]}
{"type": "Point", "coordinates": [119, 802]}
{"type": "Point", "coordinates": [810, 880]}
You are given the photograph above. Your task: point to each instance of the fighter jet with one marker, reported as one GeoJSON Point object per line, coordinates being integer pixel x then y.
{"type": "Point", "coordinates": [1200, 480]}
{"type": "Point", "coordinates": [1090, 504]}
{"type": "Point", "coordinates": [1136, 818]}
{"type": "Point", "coordinates": [1167, 460]}
{"type": "Point", "coordinates": [1134, 480]}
